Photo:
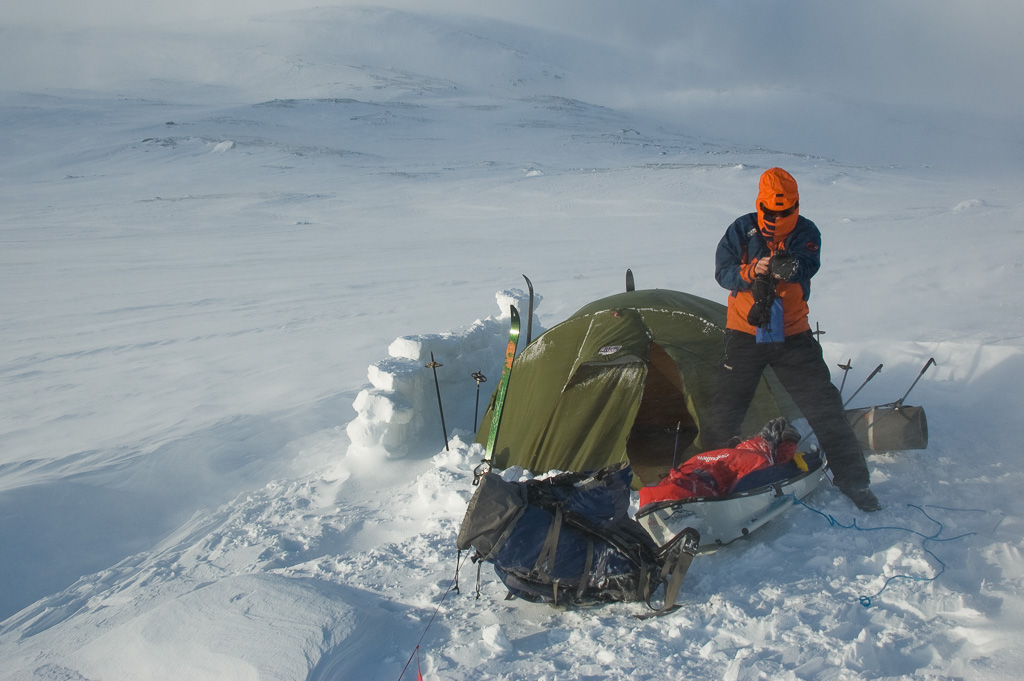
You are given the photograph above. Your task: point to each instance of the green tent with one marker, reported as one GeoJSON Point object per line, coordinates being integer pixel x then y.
{"type": "Point", "coordinates": [617, 381]}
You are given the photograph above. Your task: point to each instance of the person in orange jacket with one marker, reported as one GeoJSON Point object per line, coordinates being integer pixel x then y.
{"type": "Point", "coordinates": [766, 260]}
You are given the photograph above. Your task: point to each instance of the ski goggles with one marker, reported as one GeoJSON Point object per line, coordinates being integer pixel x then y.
{"type": "Point", "coordinates": [773, 215]}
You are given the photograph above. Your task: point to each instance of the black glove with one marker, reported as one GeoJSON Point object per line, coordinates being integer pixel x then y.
{"type": "Point", "coordinates": [779, 430]}
{"type": "Point", "coordinates": [783, 266]}
{"type": "Point", "coordinates": [763, 289]}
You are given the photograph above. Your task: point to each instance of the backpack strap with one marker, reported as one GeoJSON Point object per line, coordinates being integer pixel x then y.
{"type": "Point", "coordinates": [546, 559]}
{"type": "Point", "coordinates": [587, 564]}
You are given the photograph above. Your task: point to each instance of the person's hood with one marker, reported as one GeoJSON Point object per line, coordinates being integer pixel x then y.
{"type": "Point", "coordinates": [777, 193]}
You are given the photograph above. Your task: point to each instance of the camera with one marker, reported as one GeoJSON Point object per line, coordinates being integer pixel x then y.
{"type": "Point", "coordinates": [783, 266]}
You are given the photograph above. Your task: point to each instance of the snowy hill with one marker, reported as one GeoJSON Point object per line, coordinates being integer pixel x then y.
{"type": "Point", "coordinates": [229, 249]}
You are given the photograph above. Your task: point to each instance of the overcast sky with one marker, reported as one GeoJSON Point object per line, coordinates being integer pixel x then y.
{"type": "Point", "coordinates": [948, 53]}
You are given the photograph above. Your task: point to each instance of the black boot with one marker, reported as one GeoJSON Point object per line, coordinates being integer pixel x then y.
{"type": "Point", "coordinates": [864, 498]}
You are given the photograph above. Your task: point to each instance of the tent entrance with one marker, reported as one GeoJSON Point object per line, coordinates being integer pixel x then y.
{"type": "Point", "coordinates": [652, 440]}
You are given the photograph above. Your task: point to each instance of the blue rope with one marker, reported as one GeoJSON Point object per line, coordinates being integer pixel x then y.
{"type": "Point", "coordinates": [867, 601]}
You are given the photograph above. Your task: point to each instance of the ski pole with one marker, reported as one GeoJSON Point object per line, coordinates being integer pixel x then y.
{"type": "Point", "coordinates": [873, 374]}
{"type": "Point", "coordinates": [931, 361]}
{"type": "Point", "coordinates": [480, 378]}
{"type": "Point", "coordinates": [846, 369]}
{"type": "Point", "coordinates": [433, 365]}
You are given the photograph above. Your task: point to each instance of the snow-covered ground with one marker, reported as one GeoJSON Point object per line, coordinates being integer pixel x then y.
{"type": "Point", "coordinates": [209, 232]}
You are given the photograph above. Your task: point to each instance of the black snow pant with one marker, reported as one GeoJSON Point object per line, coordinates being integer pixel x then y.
{"type": "Point", "coordinates": [800, 367]}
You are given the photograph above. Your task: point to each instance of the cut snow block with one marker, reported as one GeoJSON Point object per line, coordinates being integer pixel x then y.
{"type": "Point", "coordinates": [514, 296]}
{"type": "Point", "coordinates": [392, 374]}
{"type": "Point", "coordinates": [378, 406]}
{"type": "Point", "coordinates": [401, 409]}
{"type": "Point", "coordinates": [407, 347]}
{"type": "Point", "coordinates": [383, 421]}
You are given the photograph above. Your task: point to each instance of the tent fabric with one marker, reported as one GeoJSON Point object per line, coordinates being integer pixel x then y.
{"type": "Point", "coordinates": [614, 383]}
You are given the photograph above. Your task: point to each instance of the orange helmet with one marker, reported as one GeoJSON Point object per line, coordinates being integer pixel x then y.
{"type": "Point", "coordinates": [778, 204]}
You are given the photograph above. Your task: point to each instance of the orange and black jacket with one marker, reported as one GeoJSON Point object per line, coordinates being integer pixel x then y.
{"type": "Point", "coordinates": [737, 252]}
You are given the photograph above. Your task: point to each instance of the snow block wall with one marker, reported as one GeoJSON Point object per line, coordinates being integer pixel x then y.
{"type": "Point", "coordinates": [399, 415]}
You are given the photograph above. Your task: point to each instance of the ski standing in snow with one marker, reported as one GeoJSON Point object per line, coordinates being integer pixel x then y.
{"type": "Point", "coordinates": [499, 395]}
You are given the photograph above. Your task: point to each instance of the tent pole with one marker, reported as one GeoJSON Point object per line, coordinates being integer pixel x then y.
{"type": "Point", "coordinates": [675, 449]}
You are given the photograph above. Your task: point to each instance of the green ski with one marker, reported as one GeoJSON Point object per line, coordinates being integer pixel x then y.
{"type": "Point", "coordinates": [499, 395]}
